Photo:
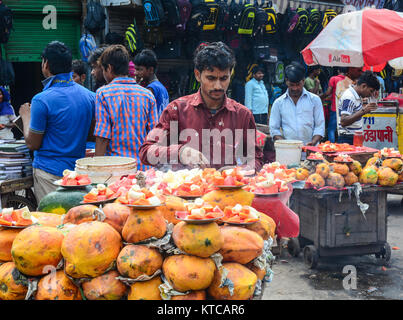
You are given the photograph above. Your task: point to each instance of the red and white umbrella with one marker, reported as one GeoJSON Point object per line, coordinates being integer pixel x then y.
{"type": "Point", "coordinates": [369, 37]}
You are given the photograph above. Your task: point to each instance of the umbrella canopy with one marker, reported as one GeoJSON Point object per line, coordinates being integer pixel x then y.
{"type": "Point", "coordinates": [369, 37]}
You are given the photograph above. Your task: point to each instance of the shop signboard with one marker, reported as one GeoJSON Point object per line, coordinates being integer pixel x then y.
{"type": "Point", "coordinates": [380, 131]}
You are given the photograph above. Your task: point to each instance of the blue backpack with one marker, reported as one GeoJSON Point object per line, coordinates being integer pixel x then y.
{"type": "Point", "coordinates": [87, 45]}
{"type": "Point", "coordinates": [154, 12]}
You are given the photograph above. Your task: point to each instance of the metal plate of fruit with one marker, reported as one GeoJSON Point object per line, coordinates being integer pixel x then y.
{"type": "Point", "coordinates": [15, 227]}
{"type": "Point", "coordinates": [240, 223]}
{"type": "Point", "coordinates": [231, 187]}
{"type": "Point", "coordinates": [97, 203]}
{"type": "Point", "coordinates": [144, 207]}
{"type": "Point", "coordinates": [270, 194]}
{"type": "Point", "coordinates": [59, 183]}
{"type": "Point", "coordinates": [197, 221]}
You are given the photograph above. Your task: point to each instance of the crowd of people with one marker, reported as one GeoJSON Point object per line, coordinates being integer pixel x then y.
{"type": "Point", "coordinates": [130, 115]}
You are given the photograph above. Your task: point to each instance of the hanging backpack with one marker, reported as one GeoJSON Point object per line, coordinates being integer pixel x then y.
{"type": "Point", "coordinates": [291, 18]}
{"type": "Point", "coordinates": [314, 22]}
{"type": "Point", "coordinates": [132, 38]}
{"type": "Point", "coordinates": [87, 44]}
{"type": "Point", "coordinates": [328, 16]}
{"type": "Point", "coordinates": [279, 74]}
{"type": "Point", "coordinates": [303, 20]}
{"type": "Point", "coordinates": [200, 13]}
{"type": "Point", "coordinates": [153, 36]}
{"type": "Point", "coordinates": [185, 9]}
{"type": "Point", "coordinates": [272, 24]}
{"type": "Point", "coordinates": [249, 73]}
{"type": "Point", "coordinates": [235, 10]}
{"type": "Point", "coordinates": [171, 11]}
{"type": "Point", "coordinates": [6, 23]}
{"type": "Point", "coordinates": [261, 19]}
{"type": "Point", "coordinates": [95, 18]}
{"type": "Point", "coordinates": [210, 24]}
{"type": "Point", "coordinates": [247, 21]}
{"type": "Point", "coordinates": [154, 12]}
{"type": "Point", "coordinates": [223, 19]}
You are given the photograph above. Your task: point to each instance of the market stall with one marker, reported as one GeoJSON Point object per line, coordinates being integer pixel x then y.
{"type": "Point", "coordinates": [195, 234]}
{"type": "Point", "coordinates": [342, 205]}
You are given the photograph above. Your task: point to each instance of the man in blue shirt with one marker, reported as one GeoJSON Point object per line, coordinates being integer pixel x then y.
{"type": "Point", "coordinates": [256, 96]}
{"type": "Point", "coordinates": [57, 122]}
{"type": "Point", "coordinates": [297, 114]}
{"type": "Point", "coordinates": [145, 64]}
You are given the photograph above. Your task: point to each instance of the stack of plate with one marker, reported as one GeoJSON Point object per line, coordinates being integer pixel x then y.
{"type": "Point", "coordinates": [15, 161]}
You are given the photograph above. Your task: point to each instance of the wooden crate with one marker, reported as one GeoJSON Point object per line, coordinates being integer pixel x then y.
{"type": "Point", "coordinates": [336, 226]}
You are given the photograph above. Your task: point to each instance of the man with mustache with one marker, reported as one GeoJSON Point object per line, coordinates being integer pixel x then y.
{"type": "Point", "coordinates": [205, 129]}
{"type": "Point", "coordinates": [298, 113]}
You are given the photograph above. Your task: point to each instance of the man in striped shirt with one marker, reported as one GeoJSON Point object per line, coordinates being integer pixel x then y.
{"type": "Point", "coordinates": [351, 107]}
{"type": "Point", "coordinates": [125, 112]}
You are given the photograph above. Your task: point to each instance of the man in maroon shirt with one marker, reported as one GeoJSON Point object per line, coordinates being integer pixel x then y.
{"type": "Point", "coordinates": [205, 129]}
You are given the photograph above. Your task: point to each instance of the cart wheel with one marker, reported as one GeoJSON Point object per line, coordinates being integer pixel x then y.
{"type": "Point", "coordinates": [18, 202]}
{"type": "Point", "coordinates": [385, 253]}
{"type": "Point", "coordinates": [293, 247]}
{"type": "Point", "coordinates": [311, 256]}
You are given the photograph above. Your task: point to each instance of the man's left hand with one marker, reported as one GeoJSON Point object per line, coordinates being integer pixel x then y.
{"type": "Point", "coordinates": [25, 109]}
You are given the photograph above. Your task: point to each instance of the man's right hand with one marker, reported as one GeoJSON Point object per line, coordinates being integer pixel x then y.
{"type": "Point", "coordinates": [190, 156]}
{"type": "Point", "coordinates": [369, 108]}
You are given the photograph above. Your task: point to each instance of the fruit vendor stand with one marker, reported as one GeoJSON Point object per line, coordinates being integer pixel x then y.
{"type": "Point", "coordinates": [183, 235]}
{"type": "Point", "coordinates": [361, 154]}
{"type": "Point", "coordinates": [342, 206]}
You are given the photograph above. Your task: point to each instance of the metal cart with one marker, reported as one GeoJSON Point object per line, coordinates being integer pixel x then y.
{"type": "Point", "coordinates": [332, 224]}
{"type": "Point", "coordinates": [17, 193]}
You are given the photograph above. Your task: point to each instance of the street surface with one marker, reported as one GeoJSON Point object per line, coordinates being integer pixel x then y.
{"type": "Point", "coordinates": [293, 280]}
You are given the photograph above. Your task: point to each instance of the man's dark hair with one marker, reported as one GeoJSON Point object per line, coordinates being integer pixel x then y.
{"type": "Point", "coordinates": [257, 69]}
{"type": "Point", "coordinates": [79, 67]}
{"type": "Point", "coordinates": [58, 56]}
{"type": "Point", "coordinates": [313, 68]}
{"type": "Point", "coordinates": [342, 70]}
{"type": "Point", "coordinates": [96, 54]}
{"type": "Point", "coordinates": [146, 58]}
{"type": "Point", "coordinates": [114, 38]}
{"type": "Point", "coordinates": [118, 57]}
{"type": "Point", "coordinates": [370, 79]}
{"type": "Point", "coordinates": [294, 72]}
{"type": "Point", "coordinates": [214, 55]}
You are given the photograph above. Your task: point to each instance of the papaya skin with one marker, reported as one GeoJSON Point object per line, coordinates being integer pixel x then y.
{"type": "Point", "coordinates": [199, 240]}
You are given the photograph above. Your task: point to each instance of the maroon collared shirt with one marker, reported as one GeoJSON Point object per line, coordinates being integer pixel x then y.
{"type": "Point", "coordinates": [187, 121]}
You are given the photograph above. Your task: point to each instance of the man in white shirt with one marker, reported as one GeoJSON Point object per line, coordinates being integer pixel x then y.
{"type": "Point", "coordinates": [351, 108]}
{"type": "Point", "coordinates": [298, 113]}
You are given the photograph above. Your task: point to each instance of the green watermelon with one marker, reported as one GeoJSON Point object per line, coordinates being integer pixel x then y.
{"type": "Point", "coordinates": [62, 200]}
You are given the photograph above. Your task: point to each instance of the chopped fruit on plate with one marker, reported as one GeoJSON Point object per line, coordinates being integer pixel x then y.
{"type": "Point", "coordinates": [140, 197]}
{"type": "Point", "coordinates": [389, 152]}
{"type": "Point", "coordinates": [72, 178]}
{"type": "Point", "coordinates": [200, 210]}
{"type": "Point", "coordinates": [240, 214]}
{"type": "Point", "coordinates": [100, 193]}
{"type": "Point", "coordinates": [19, 217]}
{"type": "Point", "coordinates": [279, 171]}
{"type": "Point", "coordinates": [343, 158]}
{"type": "Point", "coordinates": [230, 177]}
{"type": "Point", "coordinates": [316, 156]}
{"type": "Point", "coordinates": [266, 184]}
{"type": "Point", "coordinates": [335, 147]}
